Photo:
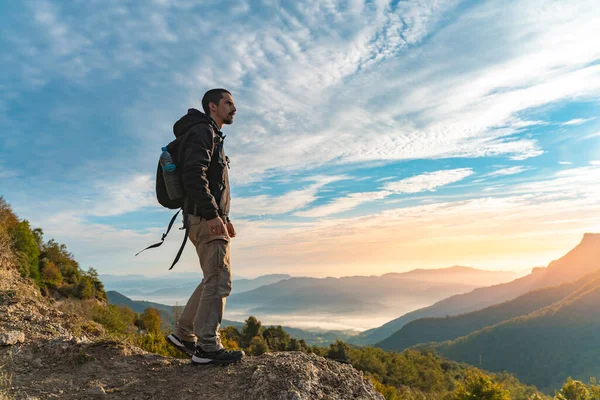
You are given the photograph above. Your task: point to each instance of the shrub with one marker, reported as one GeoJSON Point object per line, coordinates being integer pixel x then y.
{"type": "Point", "coordinates": [26, 249]}
{"type": "Point", "coordinates": [258, 346]}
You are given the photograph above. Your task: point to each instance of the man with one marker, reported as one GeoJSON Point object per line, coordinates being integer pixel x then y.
{"type": "Point", "coordinates": [206, 182]}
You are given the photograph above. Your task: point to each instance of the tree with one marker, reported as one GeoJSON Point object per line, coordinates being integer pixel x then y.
{"type": "Point", "coordinates": [479, 387]}
{"type": "Point", "coordinates": [574, 390]}
{"type": "Point", "coordinates": [98, 291]}
{"type": "Point", "coordinates": [258, 346]}
{"type": "Point", "coordinates": [85, 289]}
{"type": "Point", "coordinates": [252, 328]}
{"type": "Point", "coordinates": [230, 338]}
{"type": "Point", "coordinates": [277, 338]}
{"type": "Point", "coordinates": [50, 274]}
{"type": "Point", "coordinates": [38, 234]}
{"type": "Point", "coordinates": [339, 351]}
{"type": "Point", "coordinates": [26, 248]}
{"type": "Point", "coordinates": [8, 219]}
{"type": "Point", "coordinates": [149, 320]}
{"type": "Point", "coordinates": [57, 253]}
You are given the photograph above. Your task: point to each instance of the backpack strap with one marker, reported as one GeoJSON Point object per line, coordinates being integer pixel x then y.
{"type": "Point", "coordinates": [162, 240]}
{"type": "Point", "coordinates": [186, 226]}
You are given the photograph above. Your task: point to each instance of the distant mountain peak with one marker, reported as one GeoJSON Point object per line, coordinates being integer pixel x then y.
{"type": "Point", "coordinates": [593, 237]}
{"type": "Point", "coordinates": [581, 260]}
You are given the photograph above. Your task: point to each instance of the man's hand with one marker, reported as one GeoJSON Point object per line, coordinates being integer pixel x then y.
{"type": "Point", "coordinates": [230, 229]}
{"type": "Point", "coordinates": [217, 227]}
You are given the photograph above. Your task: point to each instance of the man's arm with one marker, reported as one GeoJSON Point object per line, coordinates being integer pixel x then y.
{"type": "Point", "coordinates": [197, 156]}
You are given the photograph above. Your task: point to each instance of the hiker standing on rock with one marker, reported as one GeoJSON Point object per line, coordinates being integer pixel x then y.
{"type": "Point", "coordinates": [206, 183]}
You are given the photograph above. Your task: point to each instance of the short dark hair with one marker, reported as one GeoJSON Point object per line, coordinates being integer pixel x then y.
{"type": "Point", "coordinates": [212, 96]}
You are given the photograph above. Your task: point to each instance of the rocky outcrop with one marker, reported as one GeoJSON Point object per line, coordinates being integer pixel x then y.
{"type": "Point", "coordinates": [53, 360]}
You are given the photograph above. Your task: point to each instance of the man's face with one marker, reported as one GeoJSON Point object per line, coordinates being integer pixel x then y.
{"type": "Point", "coordinates": [226, 109]}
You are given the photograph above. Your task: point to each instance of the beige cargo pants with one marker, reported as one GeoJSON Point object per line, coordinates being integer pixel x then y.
{"type": "Point", "coordinates": [203, 313]}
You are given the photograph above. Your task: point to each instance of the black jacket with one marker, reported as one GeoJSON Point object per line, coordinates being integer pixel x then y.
{"type": "Point", "coordinates": [205, 176]}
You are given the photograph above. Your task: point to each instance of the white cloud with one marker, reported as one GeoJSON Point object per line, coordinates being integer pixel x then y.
{"type": "Point", "coordinates": [565, 163]}
{"type": "Point", "coordinates": [343, 204]}
{"type": "Point", "coordinates": [419, 183]}
{"type": "Point", "coordinates": [6, 173]}
{"type": "Point", "coordinates": [290, 201]}
{"type": "Point", "coordinates": [507, 229]}
{"type": "Point", "coordinates": [577, 121]}
{"type": "Point", "coordinates": [127, 195]}
{"type": "Point", "coordinates": [304, 75]}
{"type": "Point", "coordinates": [507, 171]}
{"type": "Point", "coordinates": [595, 162]}
{"type": "Point", "coordinates": [387, 178]}
{"type": "Point", "coordinates": [429, 181]}
{"type": "Point", "coordinates": [591, 136]}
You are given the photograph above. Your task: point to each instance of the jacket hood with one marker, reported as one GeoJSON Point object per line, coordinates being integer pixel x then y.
{"type": "Point", "coordinates": [193, 117]}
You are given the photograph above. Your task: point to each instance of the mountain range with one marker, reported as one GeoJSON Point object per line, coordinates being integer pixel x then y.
{"type": "Point", "coordinates": [426, 330]}
{"type": "Point", "coordinates": [356, 295]}
{"type": "Point", "coordinates": [176, 288]}
{"type": "Point", "coordinates": [544, 347]}
{"type": "Point", "coordinates": [581, 260]}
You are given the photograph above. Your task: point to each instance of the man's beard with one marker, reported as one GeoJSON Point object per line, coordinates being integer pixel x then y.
{"type": "Point", "coordinates": [228, 120]}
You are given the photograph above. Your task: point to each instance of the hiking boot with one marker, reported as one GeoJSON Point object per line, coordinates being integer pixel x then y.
{"type": "Point", "coordinates": [221, 356]}
{"type": "Point", "coordinates": [181, 345]}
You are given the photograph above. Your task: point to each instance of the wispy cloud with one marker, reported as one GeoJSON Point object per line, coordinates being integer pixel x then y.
{"type": "Point", "coordinates": [429, 181]}
{"type": "Point", "coordinates": [577, 121]}
{"type": "Point", "coordinates": [344, 204]}
{"type": "Point", "coordinates": [322, 88]}
{"type": "Point", "coordinates": [507, 171]}
{"type": "Point", "coordinates": [420, 183]}
{"type": "Point", "coordinates": [116, 198]}
{"type": "Point", "coordinates": [442, 110]}
{"type": "Point", "coordinates": [290, 201]}
{"type": "Point", "coordinates": [565, 163]}
{"type": "Point", "coordinates": [466, 231]}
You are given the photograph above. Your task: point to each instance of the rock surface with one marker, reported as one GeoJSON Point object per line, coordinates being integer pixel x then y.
{"type": "Point", "coordinates": [53, 362]}
{"type": "Point", "coordinates": [11, 338]}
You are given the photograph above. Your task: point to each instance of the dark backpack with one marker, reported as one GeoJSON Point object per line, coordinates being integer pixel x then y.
{"type": "Point", "coordinates": [177, 150]}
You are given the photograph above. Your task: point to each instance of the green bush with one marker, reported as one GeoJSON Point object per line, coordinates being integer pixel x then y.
{"type": "Point", "coordinates": [26, 249]}
{"type": "Point", "coordinates": [116, 319]}
{"type": "Point", "coordinates": [477, 386]}
{"type": "Point", "coordinates": [577, 390]}
{"type": "Point", "coordinates": [258, 345]}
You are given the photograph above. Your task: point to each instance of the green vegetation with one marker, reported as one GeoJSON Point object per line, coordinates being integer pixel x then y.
{"type": "Point", "coordinates": [543, 348]}
{"type": "Point", "coordinates": [412, 374]}
{"type": "Point", "coordinates": [48, 264]}
{"type": "Point", "coordinates": [427, 330]}
{"type": "Point", "coordinates": [577, 390]}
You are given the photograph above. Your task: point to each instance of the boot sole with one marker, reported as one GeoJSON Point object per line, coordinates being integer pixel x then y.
{"type": "Point", "coordinates": [210, 361]}
{"type": "Point", "coordinates": [178, 345]}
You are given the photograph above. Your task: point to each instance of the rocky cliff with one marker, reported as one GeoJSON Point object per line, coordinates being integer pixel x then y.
{"type": "Point", "coordinates": [45, 353]}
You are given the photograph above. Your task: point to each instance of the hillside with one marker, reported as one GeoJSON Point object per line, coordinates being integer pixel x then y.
{"type": "Point", "coordinates": [544, 347]}
{"type": "Point", "coordinates": [580, 261]}
{"type": "Point", "coordinates": [442, 329]}
{"type": "Point", "coordinates": [55, 358]}
{"type": "Point", "coordinates": [312, 337]}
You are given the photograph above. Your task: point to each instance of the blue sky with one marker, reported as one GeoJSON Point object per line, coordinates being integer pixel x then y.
{"type": "Point", "coordinates": [370, 136]}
